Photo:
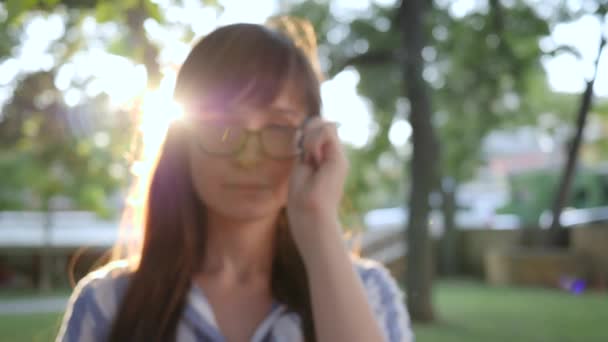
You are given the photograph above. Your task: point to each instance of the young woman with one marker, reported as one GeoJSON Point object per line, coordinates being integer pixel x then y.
{"type": "Point", "coordinates": [241, 235]}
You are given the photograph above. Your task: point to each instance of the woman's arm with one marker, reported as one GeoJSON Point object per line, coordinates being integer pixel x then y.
{"type": "Point", "coordinates": [341, 310]}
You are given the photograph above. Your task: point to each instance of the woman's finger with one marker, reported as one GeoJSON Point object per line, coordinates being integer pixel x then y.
{"type": "Point", "coordinates": [320, 138]}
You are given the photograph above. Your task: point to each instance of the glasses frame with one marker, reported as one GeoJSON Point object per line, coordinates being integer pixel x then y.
{"type": "Point", "coordinates": [257, 133]}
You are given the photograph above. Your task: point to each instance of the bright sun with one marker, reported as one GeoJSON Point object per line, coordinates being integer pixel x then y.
{"type": "Point", "coordinates": [158, 110]}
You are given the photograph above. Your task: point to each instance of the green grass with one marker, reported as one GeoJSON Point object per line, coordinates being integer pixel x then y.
{"type": "Point", "coordinates": [473, 312]}
{"type": "Point", "coordinates": [466, 311]}
{"type": "Point", "coordinates": [30, 328]}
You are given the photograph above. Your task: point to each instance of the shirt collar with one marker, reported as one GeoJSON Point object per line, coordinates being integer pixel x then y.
{"type": "Point", "coordinates": [200, 314]}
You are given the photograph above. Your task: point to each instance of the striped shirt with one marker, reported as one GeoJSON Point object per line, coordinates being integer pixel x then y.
{"type": "Point", "coordinates": [95, 299]}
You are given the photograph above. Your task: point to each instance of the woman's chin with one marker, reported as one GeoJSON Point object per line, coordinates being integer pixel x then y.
{"type": "Point", "coordinates": [250, 211]}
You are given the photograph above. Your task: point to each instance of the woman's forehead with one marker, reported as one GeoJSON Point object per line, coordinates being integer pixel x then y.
{"type": "Point", "coordinates": [290, 110]}
{"type": "Point", "coordinates": [286, 102]}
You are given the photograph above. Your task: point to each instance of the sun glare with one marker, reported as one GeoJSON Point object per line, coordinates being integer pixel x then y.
{"type": "Point", "coordinates": [158, 111]}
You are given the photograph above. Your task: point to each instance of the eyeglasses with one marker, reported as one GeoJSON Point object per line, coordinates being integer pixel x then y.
{"type": "Point", "coordinates": [226, 140]}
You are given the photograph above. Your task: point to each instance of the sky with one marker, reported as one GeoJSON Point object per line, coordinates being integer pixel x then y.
{"type": "Point", "coordinates": [123, 81]}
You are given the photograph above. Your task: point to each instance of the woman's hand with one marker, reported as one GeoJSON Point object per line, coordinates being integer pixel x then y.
{"type": "Point", "coordinates": [316, 183]}
{"type": "Point", "coordinates": [315, 190]}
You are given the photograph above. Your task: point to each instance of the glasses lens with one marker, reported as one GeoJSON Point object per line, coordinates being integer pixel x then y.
{"type": "Point", "coordinates": [220, 138]}
{"type": "Point", "coordinates": [280, 142]}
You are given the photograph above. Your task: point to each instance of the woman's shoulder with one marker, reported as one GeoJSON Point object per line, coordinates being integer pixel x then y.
{"type": "Point", "coordinates": [102, 288]}
{"type": "Point", "coordinates": [375, 275]}
{"type": "Point", "coordinates": [111, 275]}
{"type": "Point", "coordinates": [94, 302]}
{"type": "Point", "coordinates": [372, 271]}
{"type": "Point", "coordinates": [386, 298]}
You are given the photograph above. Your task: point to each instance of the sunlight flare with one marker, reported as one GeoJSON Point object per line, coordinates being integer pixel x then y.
{"type": "Point", "coordinates": [158, 111]}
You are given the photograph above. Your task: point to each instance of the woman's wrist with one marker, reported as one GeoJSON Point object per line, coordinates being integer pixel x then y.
{"type": "Point", "coordinates": [318, 237]}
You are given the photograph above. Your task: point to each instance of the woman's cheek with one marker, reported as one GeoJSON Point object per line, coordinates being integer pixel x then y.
{"type": "Point", "coordinates": [282, 172]}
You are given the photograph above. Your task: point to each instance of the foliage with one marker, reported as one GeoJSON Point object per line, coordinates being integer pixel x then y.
{"type": "Point", "coordinates": [376, 178]}
{"type": "Point", "coordinates": [51, 151]}
{"type": "Point", "coordinates": [484, 69]}
{"type": "Point", "coordinates": [75, 154]}
{"type": "Point", "coordinates": [483, 63]}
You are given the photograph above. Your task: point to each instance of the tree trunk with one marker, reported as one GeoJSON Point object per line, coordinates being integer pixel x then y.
{"type": "Point", "coordinates": [447, 250]}
{"type": "Point", "coordinates": [556, 234]}
{"type": "Point", "coordinates": [419, 271]}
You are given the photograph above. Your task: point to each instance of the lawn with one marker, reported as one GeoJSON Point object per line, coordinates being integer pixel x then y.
{"type": "Point", "coordinates": [467, 311]}
{"type": "Point", "coordinates": [473, 312]}
{"type": "Point", "coordinates": [30, 328]}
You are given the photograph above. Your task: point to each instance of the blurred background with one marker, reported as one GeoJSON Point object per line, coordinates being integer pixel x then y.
{"type": "Point", "coordinates": [477, 132]}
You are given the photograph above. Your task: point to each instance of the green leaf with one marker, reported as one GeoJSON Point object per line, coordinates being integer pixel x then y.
{"type": "Point", "coordinates": [153, 10]}
{"type": "Point", "coordinates": [91, 197]}
{"type": "Point", "coordinates": [50, 3]}
{"type": "Point", "coordinates": [120, 46]}
{"type": "Point", "coordinates": [105, 11]}
{"type": "Point", "coordinates": [16, 8]}
{"type": "Point", "coordinates": [128, 4]}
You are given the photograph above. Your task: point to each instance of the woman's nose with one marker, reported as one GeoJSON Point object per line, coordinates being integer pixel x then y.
{"type": "Point", "coordinates": [251, 154]}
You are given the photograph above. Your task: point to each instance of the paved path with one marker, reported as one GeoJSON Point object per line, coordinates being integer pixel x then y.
{"type": "Point", "coordinates": [34, 305]}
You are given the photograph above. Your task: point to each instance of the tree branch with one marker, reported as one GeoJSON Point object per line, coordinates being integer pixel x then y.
{"type": "Point", "coordinates": [499, 28]}
{"type": "Point", "coordinates": [565, 48]}
{"type": "Point", "coordinates": [369, 58]}
{"type": "Point", "coordinates": [573, 151]}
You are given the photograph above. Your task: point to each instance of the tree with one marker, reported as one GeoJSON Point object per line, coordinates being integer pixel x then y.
{"type": "Point", "coordinates": [479, 69]}
{"type": "Point", "coordinates": [391, 76]}
{"type": "Point", "coordinates": [487, 65]}
{"type": "Point", "coordinates": [366, 44]}
{"type": "Point", "coordinates": [414, 16]}
{"type": "Point", "coordinates": [52, 162]}
{"type": "Point", "coordinates": [567, 177]}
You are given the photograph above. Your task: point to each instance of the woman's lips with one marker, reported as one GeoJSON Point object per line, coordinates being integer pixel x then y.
{"type": "Point", "coordinates": [248, 189]}
{"type": "Point", "coordinates": [248, 186]}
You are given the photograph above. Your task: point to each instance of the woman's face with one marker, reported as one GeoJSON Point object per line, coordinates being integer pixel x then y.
{"type": "Point", "coordinates": [248, 184]}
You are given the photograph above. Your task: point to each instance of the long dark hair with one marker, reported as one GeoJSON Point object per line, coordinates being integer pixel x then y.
{"type": "Point", "coordinates": [245, 63]}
